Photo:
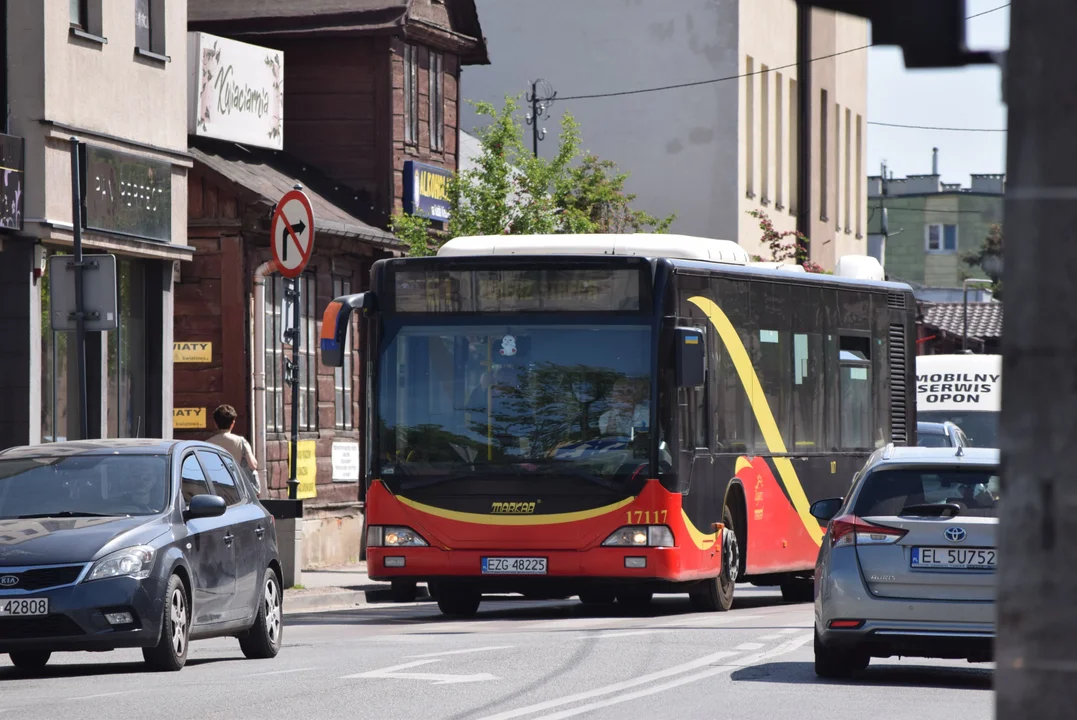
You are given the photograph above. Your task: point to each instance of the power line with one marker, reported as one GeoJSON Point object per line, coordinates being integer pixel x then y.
{"type": "Point", "coordinates": [934, 127]}
{"type": "Point", "coordinates": [712, 81]}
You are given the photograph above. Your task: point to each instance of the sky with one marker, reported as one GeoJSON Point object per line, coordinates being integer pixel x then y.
{"type": "Point", "coordinates": [970, 97]}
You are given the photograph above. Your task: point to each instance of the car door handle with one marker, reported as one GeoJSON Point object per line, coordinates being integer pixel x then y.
{"type": "Point", "coordinates": [259, 531]}
{"type": "Point", "coordinates": [229, 538]}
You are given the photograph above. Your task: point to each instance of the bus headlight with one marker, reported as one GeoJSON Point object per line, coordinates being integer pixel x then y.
{"type": "Point", "coordinates": [641, 536]}
{"type": "Point", "coordinates": [393, 536]}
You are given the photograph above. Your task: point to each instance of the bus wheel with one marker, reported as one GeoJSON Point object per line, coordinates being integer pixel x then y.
{"type": "Point", "coordinates": [634, 599]}
{"type": "Point", "coordinates": [799, 591]}
{"type": "Point", "coordinates": [716, 594]}
{"type": "Point", "coordinates": [598, 597]}
{"type": "Point", "coordinates": [458, 602]}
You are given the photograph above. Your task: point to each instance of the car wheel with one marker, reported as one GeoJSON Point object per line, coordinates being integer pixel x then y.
{"type": "Point", "coordinates": [598, 597]}
{"type": "Point", "coordinates": [170, 653]}
{"type": "Point", "coordinates": [799, 591]}
{"type": "Point", "coordinates": [458, 602]}
{"type": "Point", "coordinates": [262, 641]}
{"type": "Point", "coordinates": [716, 594]}
{"type": "Point", "coordinates": [30, 660]}
{"type": "Point", "coordinates": [838, 663]}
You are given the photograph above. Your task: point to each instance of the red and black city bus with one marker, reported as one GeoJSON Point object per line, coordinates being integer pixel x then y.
{"type": "Point", "coordinates": [616, 416]}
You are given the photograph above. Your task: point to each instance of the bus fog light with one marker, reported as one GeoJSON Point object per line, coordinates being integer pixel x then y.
{"type": "Point", "coordinates": [394, 562]}
{"type": "Point", "coordinates": [635, 562]}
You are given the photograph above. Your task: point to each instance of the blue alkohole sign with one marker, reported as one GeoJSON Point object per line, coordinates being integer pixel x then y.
{"type": "Point", "coordinates": [426, 191]}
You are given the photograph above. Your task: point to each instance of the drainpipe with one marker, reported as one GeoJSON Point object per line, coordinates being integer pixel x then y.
{"type": "Point", "coordinates": [258, 428]}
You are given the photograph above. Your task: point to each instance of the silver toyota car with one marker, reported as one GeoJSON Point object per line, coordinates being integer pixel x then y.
{"type": "Point", "coordinates": [907, 565]}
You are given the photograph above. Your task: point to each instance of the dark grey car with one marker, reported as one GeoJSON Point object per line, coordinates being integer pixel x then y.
{"type": "Point", "coordinates": [108, 544]}
{"type": "Point", "coordinates": [907, 565]}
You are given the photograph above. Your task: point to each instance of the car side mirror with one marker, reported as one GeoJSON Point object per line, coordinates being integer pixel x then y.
{"type": "Point", "coordinates": [205, 506]}
{"type": "Point", "coordinates": [825, 510]}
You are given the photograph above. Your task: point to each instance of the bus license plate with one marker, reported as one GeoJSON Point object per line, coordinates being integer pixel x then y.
{"type": "Point", "coordinates": [948, 558]}
{"type": "Point", "coordinates": [22, 608]}
{"type": "Point", "coordinates": [513, 566]}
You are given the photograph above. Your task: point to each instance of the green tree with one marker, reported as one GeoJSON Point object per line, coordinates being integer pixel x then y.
{"type": "Point", "coordinates": [511, 192]}
{"type": "Point", "coordinates": [989, 258]}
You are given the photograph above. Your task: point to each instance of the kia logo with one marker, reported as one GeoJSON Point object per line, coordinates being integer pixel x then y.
{"type": "Point", "coordinates": [8, 581]}
{"type": "Point", "coordinates": [955, 534]}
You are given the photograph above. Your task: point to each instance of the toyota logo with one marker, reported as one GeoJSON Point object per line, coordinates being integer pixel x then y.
{"type": "Point", "coordinates": [955, 534]}
{"type": "Point", "coordinates": [7, 581]}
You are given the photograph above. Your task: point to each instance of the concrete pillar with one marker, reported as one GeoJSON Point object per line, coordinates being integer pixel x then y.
{"type": "Point", "coordinates": [290, 547]}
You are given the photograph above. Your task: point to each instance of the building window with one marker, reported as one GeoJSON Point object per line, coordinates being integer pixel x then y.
{"type": "Point", "coordinates": [824, 153]}
{"type": "Point", "coordinates": [848, 169]}
{"type": "Point", "coordinates": [149, 27]}
{"type": "Point", "coordinates": [437, 101]}
{"type": "Point", "coordinates": [859, 176]}
{"type": "Point", "coordinates": [411, 95]}
{"type": "Point", "coordinates": [764, 132]}
{"type": "Point", "coordinates": [278, 318]}
{"type": "Point", "coordinates": [342, 376]}
{"type": "Point", "coordinates": [837, 167]}
{"type": "Point", "coordinates": [79, 14]}
{"type": "Point", "coordinates": [941, 238]}
{"type": "Point", "coordinates": [749, 127]}
{"type": "Point", "coordinates": [794, 148]}
{"type": "Point", "coordinates": [779, 146]}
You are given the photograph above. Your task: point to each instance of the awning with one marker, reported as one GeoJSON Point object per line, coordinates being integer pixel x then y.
{"type": "Point", "coordinates": [263, 174]}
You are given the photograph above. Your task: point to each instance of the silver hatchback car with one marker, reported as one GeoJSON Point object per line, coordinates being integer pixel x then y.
{"type": "Point", "coordinates": [907, 565]}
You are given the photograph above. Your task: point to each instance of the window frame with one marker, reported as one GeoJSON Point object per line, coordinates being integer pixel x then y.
{"type": "Point", "coordinates": [436, 78]}
{"type": "Point", "coordinates": [82, 9]}
{"type": "Point", "coordinates": [941, 249]}
{"type": "Point", "coordinates": [411, 94]}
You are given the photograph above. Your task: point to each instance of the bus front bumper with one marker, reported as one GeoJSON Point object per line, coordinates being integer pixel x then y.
{"type": "Point", "coordinates": [660, 565]}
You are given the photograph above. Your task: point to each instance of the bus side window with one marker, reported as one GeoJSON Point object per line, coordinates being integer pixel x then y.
{"type": "Point", "coordinates": [855, 392]}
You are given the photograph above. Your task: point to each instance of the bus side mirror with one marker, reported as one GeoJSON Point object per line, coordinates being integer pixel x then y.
{"type": "Point", "coordinates": [690, 356]}
{"type": "Point", "coordinates": [335, 322]}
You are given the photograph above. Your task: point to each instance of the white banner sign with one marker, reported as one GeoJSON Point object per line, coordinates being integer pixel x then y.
{"type": "Point", "coordinates": [235, 91]}
{"type": "Point", "coordinates": [345, 461]}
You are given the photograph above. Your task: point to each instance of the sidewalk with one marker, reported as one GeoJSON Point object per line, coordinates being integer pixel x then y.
{"type": "Point", "coordinates": [340, 587]}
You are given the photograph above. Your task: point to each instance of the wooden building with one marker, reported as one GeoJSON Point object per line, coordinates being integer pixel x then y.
{"type": "Point", "coordinates": [344, 99]}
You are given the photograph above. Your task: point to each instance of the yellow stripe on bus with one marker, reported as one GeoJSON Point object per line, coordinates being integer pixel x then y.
{"type": "Point", "coordinates": [482, 519]}
{"type": "Point", "coordinates": [761, 409]}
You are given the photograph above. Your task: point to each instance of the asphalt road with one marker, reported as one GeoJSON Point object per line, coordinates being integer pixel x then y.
{"type": "Point", "coordinates": [516, 659]}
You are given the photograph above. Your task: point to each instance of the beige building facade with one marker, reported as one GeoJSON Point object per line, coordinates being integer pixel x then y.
{"type": "Point", "coordinates": [113, 75]}
{"type": "Point", "coordinates": [659, 87]}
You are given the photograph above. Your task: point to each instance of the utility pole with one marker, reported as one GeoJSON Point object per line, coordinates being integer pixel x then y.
{"type": "Point", "coordinates": [80, 310]}
{"type": "Point", "coordinates": [1036, 650]}
{"type": "Point", "coordinates": [541, 97]}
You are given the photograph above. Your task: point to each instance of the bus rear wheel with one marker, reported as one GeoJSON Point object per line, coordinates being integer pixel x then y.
{"type": "Point", "coordinates": [716, 594]}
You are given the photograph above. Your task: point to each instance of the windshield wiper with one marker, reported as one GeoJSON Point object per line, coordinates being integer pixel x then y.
{"type": "Point", "coordinates": [65, 514]}
{"type": "Point", "coordinates": [932, 510]}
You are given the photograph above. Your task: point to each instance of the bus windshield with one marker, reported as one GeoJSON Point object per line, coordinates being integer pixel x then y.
{"type": "Point", "coordinates": [514, 400]}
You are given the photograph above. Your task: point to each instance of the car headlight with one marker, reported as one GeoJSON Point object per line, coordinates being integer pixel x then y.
{"type": "Point", "coordinates": [641, 536]}
{"type": "Point", "coordinates": [392, 536]}
{"type": "Point", "coordinates": [136, 562]}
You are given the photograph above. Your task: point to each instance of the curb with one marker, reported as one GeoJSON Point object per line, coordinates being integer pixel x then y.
{"type": "Point", "coordinates": [345, 600]}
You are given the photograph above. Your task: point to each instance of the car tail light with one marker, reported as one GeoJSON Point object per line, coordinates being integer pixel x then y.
{"type": "Point", "coordinates": [851, 530]}
{"type": "Point", "coordinates": [845, 624]}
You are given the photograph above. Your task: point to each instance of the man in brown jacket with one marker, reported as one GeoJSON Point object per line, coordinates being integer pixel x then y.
{"type": "Point", "coordinates": [237, 445]}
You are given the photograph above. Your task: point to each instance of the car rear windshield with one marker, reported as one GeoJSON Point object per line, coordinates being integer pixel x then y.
{"type": "Point", "coordinates": [83, 486]}
{"type": "Point", "coordinates": [932, 440]}
{"type": "Point", "coordinates": [900, 491]}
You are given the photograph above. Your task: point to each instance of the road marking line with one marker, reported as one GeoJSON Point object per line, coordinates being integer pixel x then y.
{"type": "Point", "coordinates": [101, 695]}
{"type": "Point", "coordinates": [280, 672]}
{"type": "Point", "coordinates": [626, 633]}
{"type": "Point", "coordinates": [748, 646]}
{"type": "Point", "coordinates": [616, 687]}
{"type": "Point", "coordinates": [462, 652]}
{"type": "Point", "coordinates": [790, 631]}
{"type": "Point", "coordinates": [395, 673]}
{"type": "Point", "coordinates": [783, 649]}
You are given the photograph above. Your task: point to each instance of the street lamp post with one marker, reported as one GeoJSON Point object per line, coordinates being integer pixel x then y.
{"type": "Point", "coordinates": [965, 308]}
